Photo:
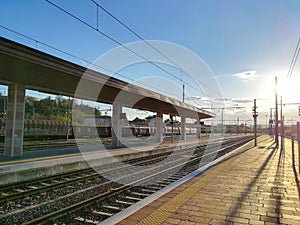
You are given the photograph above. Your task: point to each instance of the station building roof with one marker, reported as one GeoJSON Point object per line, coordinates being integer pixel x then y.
{"type": "Point", "coordinates": [43, 72]}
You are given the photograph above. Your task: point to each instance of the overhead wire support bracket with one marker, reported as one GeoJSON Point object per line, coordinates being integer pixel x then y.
{"type": "Point", "coordinates": [97, 17]}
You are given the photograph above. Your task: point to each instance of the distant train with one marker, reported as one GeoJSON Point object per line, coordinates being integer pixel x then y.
{"type": "Point", "coordinates": [59, 128]}
{"type": "Point", "coordinates": [144, 131]}
{"type": "Point", "coordinates": [141, 131]}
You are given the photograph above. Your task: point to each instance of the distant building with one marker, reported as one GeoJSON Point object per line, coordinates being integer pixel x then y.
{"type": "Point", "coordinates": [104, 121]}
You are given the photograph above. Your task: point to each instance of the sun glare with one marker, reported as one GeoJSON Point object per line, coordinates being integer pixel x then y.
{"type": "Point", "coordinates": [289, 89]}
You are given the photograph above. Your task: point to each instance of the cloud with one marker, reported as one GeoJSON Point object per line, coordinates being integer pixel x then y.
{"type": "Point", "coordinates": [246, 76]}
{"type": "Point", "coordinates": [242, 100]}
{"type": "Point", "coordinates": [224, 102]}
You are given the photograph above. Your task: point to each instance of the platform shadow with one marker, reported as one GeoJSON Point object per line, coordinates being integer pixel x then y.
{"type": "Point", "coordinates": [235, 209]}
{"type": "Point", "coordinates": [296, 176]}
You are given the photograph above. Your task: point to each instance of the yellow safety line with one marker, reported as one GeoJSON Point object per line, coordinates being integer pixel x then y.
{"type": "Point", "coordinates": [171, 206]}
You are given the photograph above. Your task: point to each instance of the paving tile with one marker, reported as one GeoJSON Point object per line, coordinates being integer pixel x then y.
{"type": "Point", "coordinates": [256, 222]}
{"type": "Point", "coordinates": [200, 219]}
{"type": "Point", "coordinates": [172, 221]}
{"type": "Point", "coordinates": [270, 219]}
{"type": "Point", "coordinates": [254, 187]}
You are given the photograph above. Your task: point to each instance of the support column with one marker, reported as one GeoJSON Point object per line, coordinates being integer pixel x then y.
{"type": "Point", "coordinates": [159, 127]}
{"type": "Point", "coordinates": [183, 127]}
{"type": "Point", "coordinates": [198, 133]}
{"type": "Point", "coordinates": [13, 145]}
{"type": "Point", "coordinates": [116, 125]}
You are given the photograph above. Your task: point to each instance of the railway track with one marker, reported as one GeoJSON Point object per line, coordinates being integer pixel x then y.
{"type": "Point", "coordinates": [86, 197]}
{"type": "Point", "coordinates": [54, 144]}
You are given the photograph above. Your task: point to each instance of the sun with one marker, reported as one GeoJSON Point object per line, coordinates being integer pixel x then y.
{"type": "Point", "coordinates": [289, 88]}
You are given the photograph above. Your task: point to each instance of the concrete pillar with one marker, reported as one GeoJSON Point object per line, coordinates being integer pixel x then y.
{"type": "Point", "coordinates": [159, 127]}
{"type": "Point", "coordinates": [198, 133]}
{"type": "Point", "coordinates": [183, 127]}
{"type": "Point", "coordinates": [13, 145]}
{"type": "Point", "coordinates": [116, 125]}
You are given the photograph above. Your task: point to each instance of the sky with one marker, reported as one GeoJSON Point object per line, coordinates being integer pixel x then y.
{"type": "Point", "coordinates": [244, 44]}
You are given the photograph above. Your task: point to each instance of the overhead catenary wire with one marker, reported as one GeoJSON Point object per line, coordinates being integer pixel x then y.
{"type": "Point", "coordinates": [294, 60]}
{"type": "Point", "coordinates": [136, 34]}
{"type": "Point", "coordinates": [83, 60]}
{"type": "Point", "coordinates": [149, 44]}
{"type": "Point", "coordinates": [119, 43]}
{"type": "Point", "coordinates": [124, 46]}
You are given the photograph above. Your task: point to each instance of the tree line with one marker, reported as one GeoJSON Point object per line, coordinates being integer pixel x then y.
{"type": "Point", "coordinates": [50, 109]}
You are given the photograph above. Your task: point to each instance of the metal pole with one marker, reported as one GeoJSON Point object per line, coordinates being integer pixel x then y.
{"type": "Point", "coordinates": [293, 152]}
{"type": "Point", "coordinates": [222, 122]}
{"type": "Point", "coordinates": [281, 126]}
{"type": "Point", "coordinates": [238, 126]}
{"type": "Point", "coordinates": [298, 137]}
{"type": "Point", "coordinates": [255, 121]}
{"type": "Point", "coordinates": [282, 136]}
{"type": "Point", "coordinates": [4, 102]}
{"type": "Point", "coordinates": [266, 124]}
{"type": "Point", "coordinates": [172, 128]}
{"type": "Point", "coordinates": [68, 119]}
{"type": "Point", "coordinates": [276, 114]}
{"type": "Point", "coordinates": [271, 123]}
{"type": "Point", "coordinates": [183, 93]}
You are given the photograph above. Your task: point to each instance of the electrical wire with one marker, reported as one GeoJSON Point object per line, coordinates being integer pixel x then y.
{"type": "Point", "coordinates": [84, 60]}
{"type": "Point", "coordinates": [124, 46]}
{"type": "Point", "coordinates": [294, 60]}
{"type": "Point", "coordinates": [148, 43]}
{"type": "Point", "coordinates": [136, 34]}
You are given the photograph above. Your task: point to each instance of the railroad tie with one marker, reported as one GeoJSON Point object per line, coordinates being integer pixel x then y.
{"type": "Point", "coordinates": [172, 205]}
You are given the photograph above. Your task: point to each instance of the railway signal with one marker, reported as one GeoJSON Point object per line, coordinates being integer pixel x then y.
{"type": "Point", "coordinates": [255, 115]}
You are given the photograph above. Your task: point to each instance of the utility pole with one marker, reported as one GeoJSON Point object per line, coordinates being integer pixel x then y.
{"type": "Point", "coordinates": [68, 120]}
{"type": "Point", "coordinates": [255, 114]}
{"type": "Point", "coordinates": [238, 126]}
{"type": "Point", "coordinates": [270, 124]}
{"type": "Point", "coordinates": [266, 124]}
{"type": "Point", "coordinates": [182, 92]}
{"type": "Point", "coordinates": [222, 122]}
{"type": "Point", "coordinates": [172, 127]}
{"type": "Point", "coordinates": [298, 137]}
{"type": "Point", "coordinates": [282, 136]}
{"type": "Point", "coordinates": [222, 117]}
{"type": "Point", "coordinates": [281, 126]}
{"type": "Point", "coordinates": [276, 114]}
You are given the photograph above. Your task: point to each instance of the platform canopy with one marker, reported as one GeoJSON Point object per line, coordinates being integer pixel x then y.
{"type": "Point", "coordinates": [43, 72]}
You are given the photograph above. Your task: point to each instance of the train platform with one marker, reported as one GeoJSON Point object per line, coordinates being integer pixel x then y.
{"type": "Point", "coordinates": [69, 148]}
{"type": "Point", "coordinates": [42, 163]}
{"type": "Point", "coordinates": [251, 185]}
